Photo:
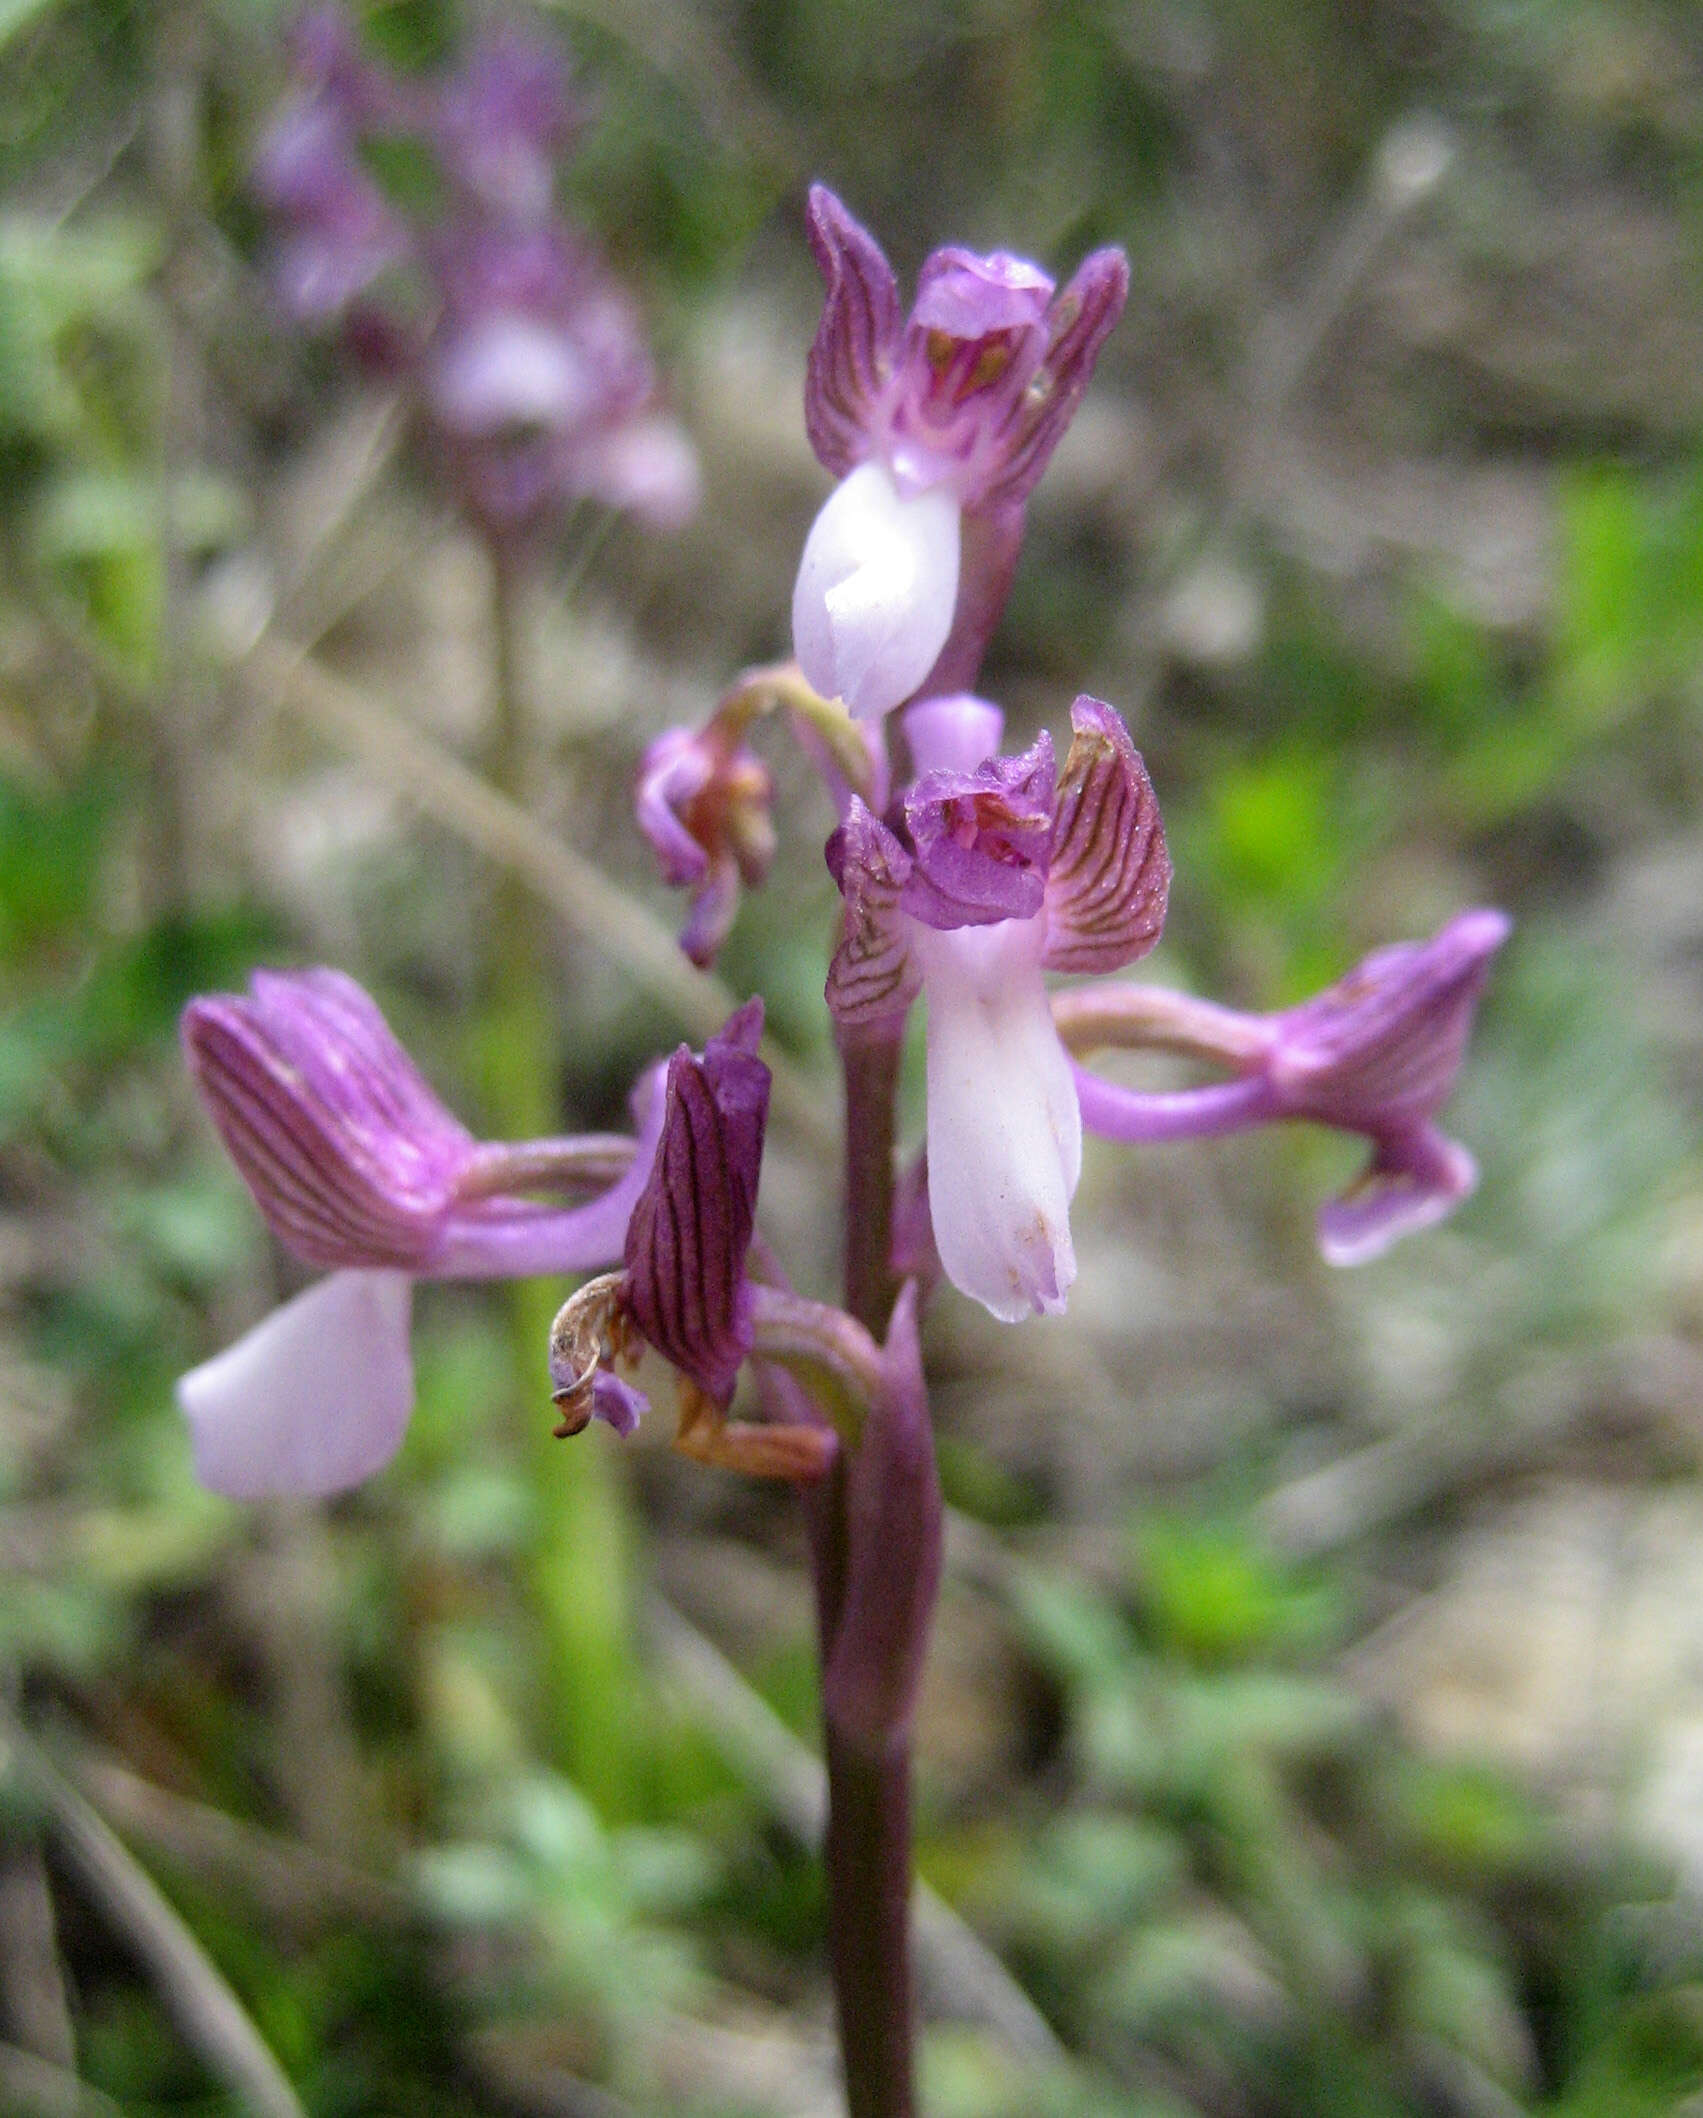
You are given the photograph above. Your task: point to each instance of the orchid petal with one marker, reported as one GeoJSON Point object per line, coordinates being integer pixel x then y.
{"type": "Point", "coordinates": [981, 840]}
{"type": "Point", "coordinates": [1079, 323]}
{"type": "Point", "coordinates": [314, 1399]}
{"type": "Point", "coordinates": [1004, 1131]}
{"type": "Point", "coordinates": [1109, 875]}
{"type": "Point", "coordinates": [1413, 1181]}
{"type": "Point", "coordinates": [876, 590]}
{"type": "Point", "coordinates": [617, 1403]}
{"type": "Point", "coordinates": [873, 976]}
{"type": "Point", "coordinates": [674, 771]}
{"type": "Point", "coordinates": [1385, 1043]}
{"type": "Point", "coordinates": [349, 1155]}
{"type": "Point", "coordinates": [856, 339]}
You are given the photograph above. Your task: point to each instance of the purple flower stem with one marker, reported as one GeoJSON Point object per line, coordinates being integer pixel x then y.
{"type": "Point", "coordinates": [1144, 1119]}
{"type": "Point", "coordinates": [869, 1895]}
{"type": "Point", "coordinates": [868, 1851]}
{"type": "Point", "coordinates": [870, 1059]}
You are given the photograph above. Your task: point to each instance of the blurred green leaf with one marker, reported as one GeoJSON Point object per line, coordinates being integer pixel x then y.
{"type": "Point", "coordinates": [1211, 1593]}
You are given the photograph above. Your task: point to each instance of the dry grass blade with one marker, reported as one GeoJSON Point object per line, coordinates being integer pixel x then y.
{"type": "Point", "coordinates": [33, 2002]}
{"type": "Point", "coordinates": [31, 2088]}
{"type": "Point", "coordinates": [289, 1880]}
{"type": "Point", "coordinates": [208, 2013]}
{"type": "Point", "coordinates": [575, 889]}
{"type": "Point", "coordinates": [960, 1975]}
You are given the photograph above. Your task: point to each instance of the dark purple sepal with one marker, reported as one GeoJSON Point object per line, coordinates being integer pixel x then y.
{"type": "Point", "coordinates": [873, 1661]}
{"type": "Point", "coordinates": [857, 338]}
{"type": "Point", "coordinates": [873, 977]}
{"type": "Point", "coordinates": [981, 840]}
{"type": "Point", "coordinates": [349, 1155]}
{"type": "Point", "coordinates": [684, 1285]}
{"type": "Point", "coordinates": [1078, 324]}
{"type": "Point", "coordinates": [1109, 875]}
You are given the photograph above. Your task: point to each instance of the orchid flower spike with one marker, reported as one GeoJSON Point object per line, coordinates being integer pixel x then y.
{"type": "Point", "coordinates": [1376, 1053]}
{"type": "Point", "coordinates": [937, 426]}
{"type": "Point", "coordinates": [357, 1166]}
{"type": "Point", "coordinates": [530, 360]}
{"type": "Point", "coordinates": [998, 871]}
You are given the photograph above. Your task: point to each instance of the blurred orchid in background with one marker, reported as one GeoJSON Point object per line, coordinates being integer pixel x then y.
{"type": "Point", "coordinates": [528, 360]}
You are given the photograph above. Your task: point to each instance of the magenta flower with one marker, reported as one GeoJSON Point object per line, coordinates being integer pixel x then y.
{"type": "Point", "coordinates": [703, 804]}
{"type": "Point", "coordinates": [358, 1167]}
{"type": "Point", "coordinates": [685, 1289]}
{"type": "Point", "coordinates": [1376, 1053]}
{"type": "Point", "coordinates": [937, 427]}
{"type": "Point", "coordinates": [998, 872]}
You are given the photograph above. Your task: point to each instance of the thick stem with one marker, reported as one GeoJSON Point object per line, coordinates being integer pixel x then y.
{"type": "Point", "coordinates": [868, 1852]}
{"type": "Point", "coordinates": [871, 1063]}
{"type": "Point", "coordinates": [869, 1893]}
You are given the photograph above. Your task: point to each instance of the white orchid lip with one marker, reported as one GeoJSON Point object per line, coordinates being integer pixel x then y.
{"type": "Point", "coordinates": [314, 1399]}
{"type": "Point", "coordinates": [876, 592]}
{"type": "Point", "coordinates": [1004, 1129]}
